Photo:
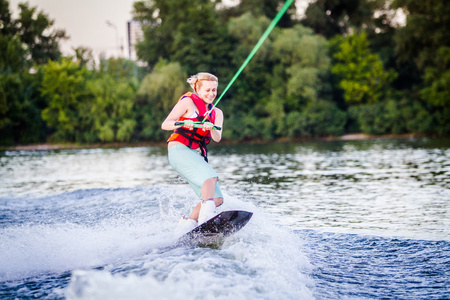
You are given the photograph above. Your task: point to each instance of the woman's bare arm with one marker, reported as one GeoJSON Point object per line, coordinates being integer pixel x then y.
{"type": "Point", "coordinates": [216, 135]}
{"type": "Point", "coordinates": [180, 109]}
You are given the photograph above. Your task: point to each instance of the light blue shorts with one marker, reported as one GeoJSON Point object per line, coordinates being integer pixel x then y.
{"type": "Point", "coordinates": [191, 165]}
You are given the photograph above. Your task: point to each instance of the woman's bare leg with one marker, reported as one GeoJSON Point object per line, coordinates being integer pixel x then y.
{"type": "Point", "coordinates": [207, 192]}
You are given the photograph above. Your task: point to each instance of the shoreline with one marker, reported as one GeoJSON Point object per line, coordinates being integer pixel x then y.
{"type": "Point", "coordinates": [68, 146]}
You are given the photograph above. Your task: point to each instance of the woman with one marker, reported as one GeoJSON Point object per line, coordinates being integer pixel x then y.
{"type": "Point", "coordinates": [187, 145]}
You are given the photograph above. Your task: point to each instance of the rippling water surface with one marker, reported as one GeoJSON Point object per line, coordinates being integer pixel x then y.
{"type": "Point", "coordinates": [332, 220]}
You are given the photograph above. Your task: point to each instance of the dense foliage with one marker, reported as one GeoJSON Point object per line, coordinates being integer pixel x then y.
{"type": "Point", "coordinates": [345, 66]}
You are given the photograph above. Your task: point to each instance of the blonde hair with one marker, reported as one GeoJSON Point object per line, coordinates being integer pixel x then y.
{"type": "Point", "coordinates": [195, 80]}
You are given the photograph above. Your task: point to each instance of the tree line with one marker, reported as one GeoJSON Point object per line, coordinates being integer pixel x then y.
{"type": "Point", "coordinates": [345, 66]}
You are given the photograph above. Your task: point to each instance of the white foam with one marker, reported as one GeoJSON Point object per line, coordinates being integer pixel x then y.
{"type": "Point", "coordinates": [134, 250]}
{"type": "Point", "coordinates": [262, 261]}
{"type": "Point", "coordinates": [29, 250]}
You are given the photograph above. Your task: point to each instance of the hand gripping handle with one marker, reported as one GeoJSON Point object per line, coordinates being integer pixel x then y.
{"type": "Point", "coordinates": [181, 123]}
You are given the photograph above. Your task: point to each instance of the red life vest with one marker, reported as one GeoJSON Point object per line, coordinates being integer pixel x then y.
{"type": "Point", "coordinates": [197, 137]}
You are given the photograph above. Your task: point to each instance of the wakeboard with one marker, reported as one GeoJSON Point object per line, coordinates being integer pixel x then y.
{"type": "Point", "coordinates": [213, 232]}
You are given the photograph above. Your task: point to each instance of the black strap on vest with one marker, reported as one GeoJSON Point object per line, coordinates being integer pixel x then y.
{"type": "Point", "coordinates": [195, 138]}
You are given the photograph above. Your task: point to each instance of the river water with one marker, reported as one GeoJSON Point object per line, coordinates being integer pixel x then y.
{"type": "Point", "coordinates": [332, 220]}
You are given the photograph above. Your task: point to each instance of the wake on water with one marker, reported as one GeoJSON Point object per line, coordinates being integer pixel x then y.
{"type": "Point", "coordinates": [118, 244]}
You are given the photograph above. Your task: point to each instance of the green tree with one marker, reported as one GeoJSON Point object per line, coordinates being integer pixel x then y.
{"type": "Point", "coordinates": [24, 41]}
{"type": "Point", "coordinates": [119, 69]}
{"type": "Point", "coordinates": [90, 106]}
{"type": "Point", "coordinates": [20, 109]}
{"type": "Point", "coordinates": [426, 30]}
{"type": "Point", "coordinates": [112, 108]}
{"type": "Point", "coordinates": [320, 118]}
{"type": "Point", "coordinates": [436, 89]}
{"type": "Point", "coordinates": [302, 61]}
{"type": "Point", "coordinates": [393, 115]}
{"type": "Point", "coordinates": [361, 73]}
{"type": "Point", "coordinates": [331, 17]}
{"type": "Point", "coordinates": [64, 86]}
{"type": "Point", "coordinates": [251, 90]}
{"type": "Point", "coordinates": [156, 96]}
{"type": "Point", "coordinates": [84, 56]}
{"type": "Point", "coordinates": [186, 31]}
{"type": "Point", "coordinates": [261, 8]}
{"type": "Point", "coordinates": [7, 26]}
{"type": "Point", "coordinates": [437, 79]}
{"type": "Point", "coordinates": [36, 32]}
{"type": "Point", "coordinates": [303, 55]}
{"type": "Point", "coordinates": [12, 64]}
{"type": "Point", "coordinates": [425, 41]}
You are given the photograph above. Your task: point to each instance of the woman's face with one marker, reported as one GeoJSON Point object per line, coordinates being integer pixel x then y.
{"type": "Point", "coordinates": [208, 91]}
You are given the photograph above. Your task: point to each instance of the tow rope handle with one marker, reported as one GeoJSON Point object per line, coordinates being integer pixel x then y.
{"type": "Point", "coordinates": [197, 125]}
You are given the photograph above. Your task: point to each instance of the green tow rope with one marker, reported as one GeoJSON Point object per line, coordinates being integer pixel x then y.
{"type": "Point", "coordinates": [257, 46]}
{"type": "Point", "coordinates": [247, 60]}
